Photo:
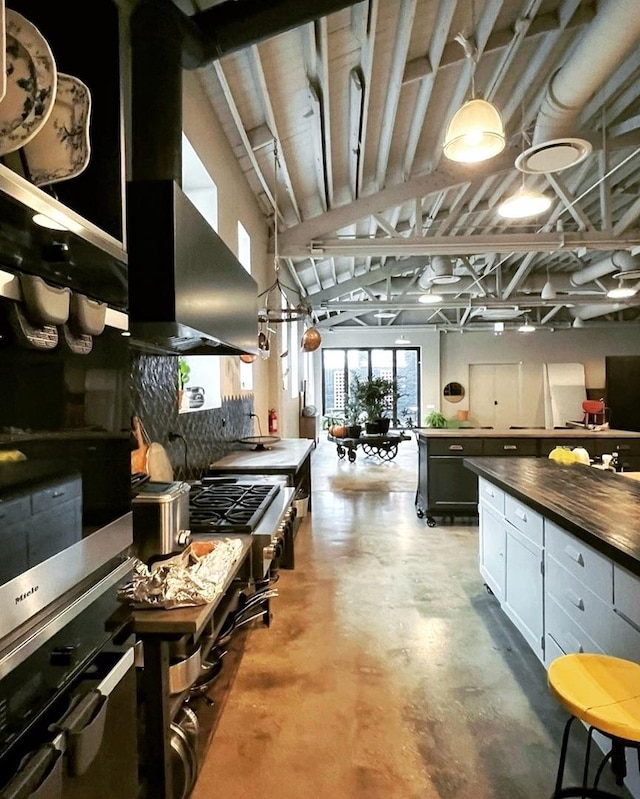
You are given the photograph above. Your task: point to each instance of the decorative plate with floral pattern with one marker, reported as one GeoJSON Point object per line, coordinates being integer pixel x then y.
{"type": "Point", "coordinates": [61, 148]}
{"type": "Point", "coordinates": [31, 83]}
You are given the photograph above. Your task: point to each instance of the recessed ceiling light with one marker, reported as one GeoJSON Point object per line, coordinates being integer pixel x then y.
{"type": "Point", "coordinates": [429, 299]}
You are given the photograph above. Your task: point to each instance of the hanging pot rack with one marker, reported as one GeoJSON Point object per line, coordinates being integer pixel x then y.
{"type": "Point", "coordinates": [275, 310]}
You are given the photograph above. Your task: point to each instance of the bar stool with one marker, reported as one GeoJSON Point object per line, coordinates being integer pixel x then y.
{"type": "Point", "coordinates": [604, 693]}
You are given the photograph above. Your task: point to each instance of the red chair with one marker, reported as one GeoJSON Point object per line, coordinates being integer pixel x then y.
{"type": "Point", "coordinates": [594, 412]}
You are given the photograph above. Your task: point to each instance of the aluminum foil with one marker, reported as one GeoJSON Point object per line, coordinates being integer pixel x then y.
{"type": "Point", "coordinates": [184, 580]}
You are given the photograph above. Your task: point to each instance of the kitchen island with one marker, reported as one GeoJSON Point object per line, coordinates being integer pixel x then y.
{"type": "Point", "coordinates": [290, 457]}
{"type": "Point", "coordinates": [446, 488]}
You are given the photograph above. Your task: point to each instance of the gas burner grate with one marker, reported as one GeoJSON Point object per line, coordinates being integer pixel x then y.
{"type": "Point", "coordinates": [229, 508]}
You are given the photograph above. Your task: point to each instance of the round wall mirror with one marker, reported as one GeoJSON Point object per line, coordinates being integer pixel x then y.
{"type": "Point", "coordinates": [453, 392]}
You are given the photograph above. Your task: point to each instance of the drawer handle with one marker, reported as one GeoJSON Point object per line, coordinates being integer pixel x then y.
{"type": "Point", "coordinates": [575, 555]}
{"type": "Point", "coordinates": [57, 494]}
{"type": "Point", "coordinates": [509, 446]}
{"type": "Point", "coordinates": [622, 447]}
{"type": "Point", "coordinates": [574, 599]}
{"type": "Point", "coordinates": [574, 644]}
{"type": "Point", "coordinates": [490, 492]}
{"type": "Point", "coordinates": [521, 515]}
{"type": "Point", "coordinates": [456, 447]}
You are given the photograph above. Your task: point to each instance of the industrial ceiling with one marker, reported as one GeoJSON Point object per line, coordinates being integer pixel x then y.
{"type": "Point", "coordinates": [338, 121]}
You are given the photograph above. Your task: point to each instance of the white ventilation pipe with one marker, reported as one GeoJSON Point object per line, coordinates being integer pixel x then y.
{"type": "Point", "coordinates": [613, 32]}
{"type": "Point", "coordinates": [621, 261]}
{"type": "Point", "coordinates": [591, 311]}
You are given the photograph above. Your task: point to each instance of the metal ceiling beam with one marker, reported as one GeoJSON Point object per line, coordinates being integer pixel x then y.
{"type": "Point", "coordinates": [445, 177]}
{"type": "Point", "coordinates": [521, 302]}
{"type": "Point", "coordinates": [463, 245]}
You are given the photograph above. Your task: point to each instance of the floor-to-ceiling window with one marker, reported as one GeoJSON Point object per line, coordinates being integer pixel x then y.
{"type": "Point", "coordinates": [340, 366]}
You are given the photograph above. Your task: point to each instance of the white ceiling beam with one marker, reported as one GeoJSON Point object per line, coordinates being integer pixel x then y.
{"type": "Point", "coordinates": [445, 177]}
{"type": "Point", "coordinates": [273, 126]}
{"type": "Point", "coordinates": [463, 245]}
{"type": "Point", "coordinates": [399, 58]}
{"type": "Point", "coordinates": [561, 190]}
{"type": "Point", "coordinates": [530, 301]}
{"type": "Point", "coordinates": [436, 48]}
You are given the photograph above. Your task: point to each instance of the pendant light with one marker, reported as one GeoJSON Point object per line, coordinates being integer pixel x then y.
{"type": "Point", "coordinates": [527, 327]}
{"type": "Point", "coordinates": [402, 339]}
{"type": "Point", "coordinates": [621, 292]}
{"type": "Point", "coordinates": [525, 202]}
{"type": "Point", "coordinates": [475, 132]}
{"type": "Point", "coordinates": [429, 298]}
{"type": "Point", "coordinates": [548, 290]}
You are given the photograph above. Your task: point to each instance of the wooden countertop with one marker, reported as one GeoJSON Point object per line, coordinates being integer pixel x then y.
{"type": "Point", "coordinates": [287, 455]}
{"type": "Point", "coordinates": [600, 507]}
{"type": "Point", "coordinates": [178, 621]}
{"type": "Point", "coordinates": [528, 432]}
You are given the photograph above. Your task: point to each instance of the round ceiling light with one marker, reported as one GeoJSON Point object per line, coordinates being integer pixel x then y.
{"type": "Point", "coordinates": [524, 203]}
{"type": "Point", "coordinates": [553, 156]}
{"type": "Point", "coordinates": [621, 293]}
{"type": "Point", "coordinates": [429, 299]}
{"type": "Point", "coordinates": [527, 327]}
{"type": "Point", "coordinates": [384, 314]}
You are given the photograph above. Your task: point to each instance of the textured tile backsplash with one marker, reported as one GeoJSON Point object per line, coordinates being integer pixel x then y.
{"type": "Point", "coordinates": [207, 435]}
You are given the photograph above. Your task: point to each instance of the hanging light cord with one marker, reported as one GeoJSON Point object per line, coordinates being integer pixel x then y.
{"type": "Point", "coordinates": [276, 260]}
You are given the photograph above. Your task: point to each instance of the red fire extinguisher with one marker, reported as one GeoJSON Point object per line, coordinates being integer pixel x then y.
{"type": "Point", "coordinates": [273, 421]}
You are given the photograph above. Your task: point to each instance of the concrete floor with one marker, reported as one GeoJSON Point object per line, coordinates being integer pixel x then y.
{"type": "Point", "coordinates": [388, 671]}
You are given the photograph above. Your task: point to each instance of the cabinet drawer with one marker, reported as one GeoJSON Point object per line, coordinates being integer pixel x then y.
{"type": "Point", "coordinates": [455, 446]}
{"type": "Point", "coordinates": [626, 594]}
{"type": "Point", "coordinates": [55, 494]}
{"type": "Point", "coordinates": [625, 446]}
{"type": "Point", "coordinates": [565, 632]}
{"type": "Point", "coordinates": [13, 510]}
{"type": "Point", "coordinates": [588, 611]}
{"type": "Point", "coordinates": [491, 494]}
{"type": "Point", "coordinates": [582, 561]}
{"type": "Point", "coordinates": [525, 519]}
{"type": "Point", "coordinates": [510, 446]}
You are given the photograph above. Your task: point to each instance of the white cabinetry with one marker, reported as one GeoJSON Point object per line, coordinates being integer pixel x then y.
{"type": "Point", "coordinates": [524, 573]}
{"type": "Point", "coordinates": [492, 537]}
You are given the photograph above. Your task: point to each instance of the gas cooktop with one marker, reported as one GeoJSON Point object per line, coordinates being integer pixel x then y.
{"type": "Point", "coordinates": [229, 507]}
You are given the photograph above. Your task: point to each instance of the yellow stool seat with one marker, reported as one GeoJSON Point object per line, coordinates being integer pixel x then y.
{"type": "Point", "coordinates": [601, 690]}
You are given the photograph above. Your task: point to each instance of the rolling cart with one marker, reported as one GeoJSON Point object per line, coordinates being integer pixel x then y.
{"type": "Point", "coordinates": [384, 446]}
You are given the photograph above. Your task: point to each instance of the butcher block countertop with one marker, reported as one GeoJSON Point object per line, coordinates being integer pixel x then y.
{"type": "Point", "coordinates": [289, 454]}
{"type": "Point", "coordinates": [524, 432]}
{"type": "Point", "coordinates": [600, 507]}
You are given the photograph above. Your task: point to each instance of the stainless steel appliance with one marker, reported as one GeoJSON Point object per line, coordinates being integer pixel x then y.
{"type": "Point", "coordinates": [262, 509]}
{"type": "Point", "coordinates": [68, 701]}
{"type": "Point", "coordinates": [160, 519]}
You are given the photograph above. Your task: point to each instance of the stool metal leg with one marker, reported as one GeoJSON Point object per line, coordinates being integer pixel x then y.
{"type": "Point", "coordinates": [563, 756]}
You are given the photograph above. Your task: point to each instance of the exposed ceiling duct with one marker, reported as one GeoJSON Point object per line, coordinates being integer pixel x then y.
{"type": "Point", "coordinates": [612, 34]}
{"type": "Point", "coordinates": [621, 261]}
{"type": "Point", "coordinates": [439, 271]}
{"type": "Point", "coordinates": [592, 311]}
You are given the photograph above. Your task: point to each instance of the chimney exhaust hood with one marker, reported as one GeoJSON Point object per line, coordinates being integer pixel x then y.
{"type": "Point", "coordinates": [188, 293]}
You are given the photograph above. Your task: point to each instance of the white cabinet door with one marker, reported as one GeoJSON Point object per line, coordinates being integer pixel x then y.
{"type": "Point", "coordinates": [524, 588]}
{"type": "Point", "coordinates": [491, 555]}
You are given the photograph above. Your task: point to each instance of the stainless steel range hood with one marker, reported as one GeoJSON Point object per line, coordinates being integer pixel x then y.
{"type": "Point", "coordinates": [188, 293]}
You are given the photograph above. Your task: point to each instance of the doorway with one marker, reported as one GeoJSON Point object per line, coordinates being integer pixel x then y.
{"type": "Point", "coordinates": [495, 394]}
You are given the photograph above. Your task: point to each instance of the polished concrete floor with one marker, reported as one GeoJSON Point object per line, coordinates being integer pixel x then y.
{"type": "Point", "coordinates": [388, 671]}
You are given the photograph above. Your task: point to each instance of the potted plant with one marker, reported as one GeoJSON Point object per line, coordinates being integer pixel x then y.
{"type": "Point", "coordinates": [352, 412]}
{"type": "Point", "coordinates": [184, 373]}
{"type": "Point", "coordinates": [374, 396]}
{"type": "Point", "coordinates": [435, 419]}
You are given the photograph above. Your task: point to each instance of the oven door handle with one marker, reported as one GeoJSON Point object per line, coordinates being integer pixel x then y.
{"type": "Point", "coordinates": [84, 722]}
{"type": "Point", "coordinates": [40, 773]}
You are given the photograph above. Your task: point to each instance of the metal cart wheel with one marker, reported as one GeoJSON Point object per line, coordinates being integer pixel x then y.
{"type": "Point", "coordinates": [352, 455]}
{"type": "Point", "coordinates": [419, 513]}
{"type": "Point", "coordinates": [431, 522]}
{"type": "Point", "coordinates": [388, 453]}
{"type": "Point", "coordinates": [367, 449]}
{"type": "Point", "coordinates": [340, 451]}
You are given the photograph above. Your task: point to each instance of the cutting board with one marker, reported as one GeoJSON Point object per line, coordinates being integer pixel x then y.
{"type": "Point", "coordinates": [159, 466]}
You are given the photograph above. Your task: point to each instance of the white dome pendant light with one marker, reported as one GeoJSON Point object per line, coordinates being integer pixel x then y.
{"type": "Point", "coordinates": [525, 202]}
{"type": "Point", "coordinates": [476, 132]}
